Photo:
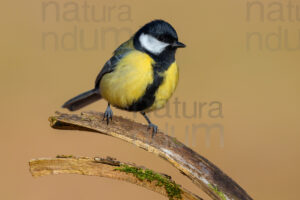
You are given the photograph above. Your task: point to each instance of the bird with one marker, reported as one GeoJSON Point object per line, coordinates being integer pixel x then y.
{"type": "Point", "coordinates": [141, 75]}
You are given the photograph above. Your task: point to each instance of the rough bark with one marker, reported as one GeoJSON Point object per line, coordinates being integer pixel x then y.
{"type": "Point", "coordinates": [103, 167]}
{"type": "Point", "coordinates": [201, 171]}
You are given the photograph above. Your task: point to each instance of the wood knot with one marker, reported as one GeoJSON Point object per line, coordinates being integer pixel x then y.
{"type": "Point", "coordinates": [108, 160]}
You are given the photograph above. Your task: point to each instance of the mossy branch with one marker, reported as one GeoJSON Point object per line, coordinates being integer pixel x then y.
{"type": "Point", "coordinates": [111, 168]}
{"type": "Point", "coordinates": [201, 171]}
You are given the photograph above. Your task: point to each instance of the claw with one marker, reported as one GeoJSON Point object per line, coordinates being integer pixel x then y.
{"type": "Point", "coordinates": [108, 114]}
{"type": "Point", "coordinates": [153, 126]}
{"type": "Point", "coordinates": [154, 129]}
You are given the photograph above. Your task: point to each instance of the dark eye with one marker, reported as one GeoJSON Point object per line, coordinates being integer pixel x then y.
{"type": "Point", "coordinates": [166, 38]}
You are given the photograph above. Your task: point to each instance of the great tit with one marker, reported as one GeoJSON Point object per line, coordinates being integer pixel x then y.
{"type": "Point", "coordinates": [140, 76]}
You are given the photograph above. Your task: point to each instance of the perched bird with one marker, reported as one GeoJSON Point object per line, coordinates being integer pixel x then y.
{"type": "Point", "coordinates": [140, 76]}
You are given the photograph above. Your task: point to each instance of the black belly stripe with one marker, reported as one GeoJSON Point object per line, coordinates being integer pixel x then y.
{"type": "Point", "coordinates": [162, 63]}
{"type": "Point", "coordinates": [148, 98]}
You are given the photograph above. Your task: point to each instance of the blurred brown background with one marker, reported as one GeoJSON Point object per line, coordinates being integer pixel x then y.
{"type": "Point", "coordinates": [242, 56]}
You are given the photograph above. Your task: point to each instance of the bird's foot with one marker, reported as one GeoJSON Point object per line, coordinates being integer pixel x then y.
{"type": "Point", "coordinates": [154, 129]}
{"type": "Point", "coordinates": [150, 125]}
{"type": "Point", "coordinates": [108, 114]}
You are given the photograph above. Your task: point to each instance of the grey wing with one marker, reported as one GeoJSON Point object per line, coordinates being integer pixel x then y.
{"type": "Point", "coordinates": [111, 64]}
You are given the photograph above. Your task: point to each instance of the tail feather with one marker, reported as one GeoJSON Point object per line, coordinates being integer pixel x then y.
{"type": "Point", "coordinates": [82, 100]}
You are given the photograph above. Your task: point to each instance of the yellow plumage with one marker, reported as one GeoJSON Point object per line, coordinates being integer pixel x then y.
{"type": "Point", "coordinates": [140, 76]}
{"type": "Point", "coordinates": [128, 82]}
{"type": "Point", "coordinates": [167, 88]}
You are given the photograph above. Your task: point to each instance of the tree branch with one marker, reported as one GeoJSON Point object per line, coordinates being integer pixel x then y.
{"type": "Point", "coordinates": [201, 171]}
{"type": "Point", "coordinates": [111, 168]}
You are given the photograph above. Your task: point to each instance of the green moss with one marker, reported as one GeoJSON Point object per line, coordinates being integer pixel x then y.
{"type": "Point", "coordinates": [217, 191]}
{"type": "Point", "coordinates": [52, 119]}
{"type": "Point", "coordinates": [173, 190]}
{"type": "Point", "coordinates": [175, 141]}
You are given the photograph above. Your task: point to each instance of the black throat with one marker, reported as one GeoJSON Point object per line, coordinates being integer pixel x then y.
{"type": "Point", "coordinates": [162, 62]}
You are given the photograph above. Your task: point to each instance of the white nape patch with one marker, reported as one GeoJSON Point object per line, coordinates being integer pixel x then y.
{"type": "Point", "coordinates": [152, 44]}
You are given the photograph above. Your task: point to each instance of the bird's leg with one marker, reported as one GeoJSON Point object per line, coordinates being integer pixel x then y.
{"type": "Point", "coordinates": [108, 114]}
{"type": "Point", "coordinates": [150, 125]}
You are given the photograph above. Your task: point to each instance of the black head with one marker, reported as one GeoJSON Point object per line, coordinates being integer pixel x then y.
{"type": "Point", "coordinates": [159, 39]}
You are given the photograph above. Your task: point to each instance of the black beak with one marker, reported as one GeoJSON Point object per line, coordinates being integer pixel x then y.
{"type": "Point", "coordinates": [178, 45]}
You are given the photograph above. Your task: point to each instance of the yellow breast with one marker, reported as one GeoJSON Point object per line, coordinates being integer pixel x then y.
{"type": "Point", "coordinates": [167, 88]}
{"type": "Point", "coordinates": [128, 82]}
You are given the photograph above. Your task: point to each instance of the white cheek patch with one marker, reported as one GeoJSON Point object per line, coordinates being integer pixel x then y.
{"type": "Point", "coordinates": [151, 44]}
